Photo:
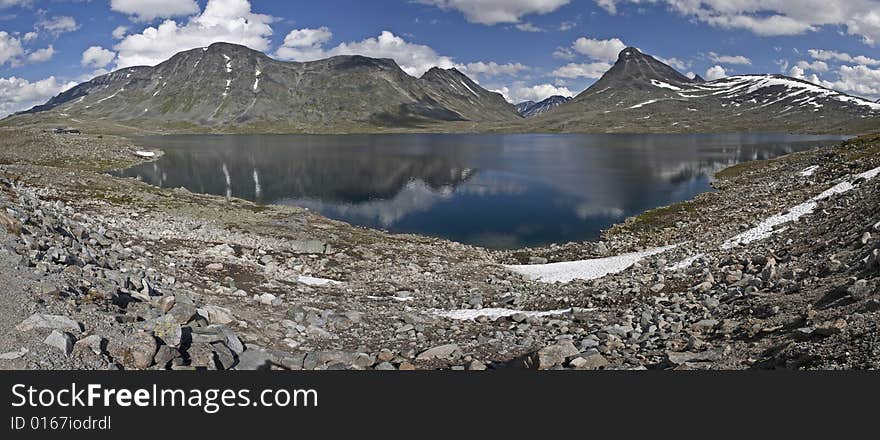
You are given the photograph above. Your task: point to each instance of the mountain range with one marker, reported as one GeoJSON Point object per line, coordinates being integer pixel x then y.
{"type": "Point", "coordinates": [529, 109]}
{"type": "Point", "coordinates": [231, 88]}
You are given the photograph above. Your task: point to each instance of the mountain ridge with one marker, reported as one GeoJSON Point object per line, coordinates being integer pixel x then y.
{"type": "Point", "coordinates": [231, 88]}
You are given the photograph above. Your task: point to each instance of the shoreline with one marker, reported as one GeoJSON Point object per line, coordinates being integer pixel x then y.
{"type": "Point", "coordinates": [320, 324]}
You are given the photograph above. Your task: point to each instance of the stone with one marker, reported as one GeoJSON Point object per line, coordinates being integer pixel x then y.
{"type": "Point", "coordinates": [11, 224]}
{"type": "Point", "coordinates": [225, 358]}
{"type": "Point", "coordinates": [143, 349]}
{"type": "Point", "coordinates": [476, 365]}
{"type": "Point", "coordinates": [385, 366]}
{"type": "Point", "coordinates": [860, 289]}
{"type": "Point", "coordinates": [165, 355]}
{"type": "Point", "coordinates": [442, 352]}
{"type": "Point", "coordinates": [589, 361]}
{"type": "Point", "coordinates": [267, 299]}
{"type": "Point", "coordinates": [168, 330]}
{"type": "Point", "coordinates": [704, 325]}
{"type": "Point", "coordinates": [165, 303]}
{"type": "Point", "coordinates": [254, 359]}
{"type": "Point", "coordinates": [54, 322]}
{"type": "Point", "coordinates": [679, 358]}
{"type": "Point", "coordinates": [830, 328]}
{"type": "Point", "coordinates": [307, 246]}
{"type": "Point", "coordinates": [553, 355]}
{"type": "Point", "coordinates": [385, 355]}
{"type": "Point", "coordinates": [201, 356]}
{"type": "Point", "coordinates": [537, 260]}
{"type": "Point", "coordinates": [214, 267]}
{"type": "Point", "coordinates": [216, 314]}
{"type": "Point", "coordinates": [93, 343]}
{"type": "Point", "coordinates": [182, 312]}
{"type": "Point", "coordinates": [13, 355]}
{"type": "Point", "coordinates": [61, 340]}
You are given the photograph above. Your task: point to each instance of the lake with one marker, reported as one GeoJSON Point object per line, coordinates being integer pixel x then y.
{"type": "Point", "coordinates": [498, 191]}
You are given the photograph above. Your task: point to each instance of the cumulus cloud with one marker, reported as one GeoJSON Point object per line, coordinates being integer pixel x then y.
{"type": "Point", "coordinates": [497, 11]}
{"type": "Point", "coordinates": [149, 10]}
{"type": "Point", "coordinates": [582, 70]}
{"type": "Point", "coordinates": [414, 59]}
{"type": "Point", "coordinates": [10, 48]}
{"type": "Point", "coordinates": [535, 93]}
{"type": "Point", "coordinates": [831, 55]}
{"type": "Point", "coordinates": [599, 50]}
{"type": "Point", "coordinates": [98, 57]}
{"type": "Point", "coordinates": [230, 21]}
{"type": "Point", "coordinates": [528, 27]}
{"type": "Point", "coordinates": [729, 59]}
{"type": "Point", "coordinates": [18, 94]}
{"type": "Point", "coordinates": [776, 17]}
{"type": "Point", "coordinates": [41, 55]}
{"type": "Point", "coordinates": [58, 25]}
{"type": "Point", "coordinates": [715, 72]}
{"type": "Point", "coordinates": [674, 62]}
{"type": "Point", "coordinates": [494, 69]}
{"type": "Point", "coordinates": [119, 32]}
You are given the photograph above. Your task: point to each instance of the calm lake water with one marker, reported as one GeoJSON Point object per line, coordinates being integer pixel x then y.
{"type": "Point", "coordinates": [499, 191]}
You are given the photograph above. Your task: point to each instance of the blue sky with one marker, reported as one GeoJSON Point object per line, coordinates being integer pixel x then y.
{"type": "Point", "coordinates": [527, 49]}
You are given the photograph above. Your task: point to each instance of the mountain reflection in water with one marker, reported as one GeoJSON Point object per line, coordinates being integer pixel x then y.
{"type": "Point", "coordinates": [499, 191]}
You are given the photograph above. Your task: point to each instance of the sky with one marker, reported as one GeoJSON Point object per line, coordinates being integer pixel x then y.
{"type": "Point", "coordinates": [524, 49]}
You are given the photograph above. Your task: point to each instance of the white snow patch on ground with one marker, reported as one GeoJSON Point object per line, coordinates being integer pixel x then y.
{"type": "Point", "coordinates": [807, 172]}
{"type": "Point", "coordinates": [492, 314]}
{"type": "Point", "coordinates": [392, 298]}
{"type": "Point", "coordinates": [664, 85]}
{"type": "Point", "coordinates": [768, 227]}
{"type": "Point", "coordinates": [470, 89]}
{"type": "Point", "coordinates": [317, 282]}
{"type": "Point", "coordinates": [644, 104]}
{"type": "Point", "coordinates": [686, 263]}
{"type": "Point", "coordinates": [585, 269]}
{"type": "Point", "coordinates": [144, 154]}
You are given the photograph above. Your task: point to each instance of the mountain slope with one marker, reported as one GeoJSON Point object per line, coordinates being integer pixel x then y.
{"type": "Point", "coordinates": [530, 109]}
{"type": "Point", "coordinates": [641, 94]}
{"type": "Point", "coordinates": [229, 85]}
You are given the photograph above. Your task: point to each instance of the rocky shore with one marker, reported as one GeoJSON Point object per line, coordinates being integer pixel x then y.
{"type": "Point", "coordinates": [780, 268]}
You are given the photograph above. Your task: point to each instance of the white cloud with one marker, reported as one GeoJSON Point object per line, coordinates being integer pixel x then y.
{"type": "Point", "coordinates": [59, 25]}
{"type": "Point", "coordinates": [674, 62]}
{"type": "Point", "coordinates": [119, 32]}
{"type": "Point", "coordinates": [599, 50]}
{"type": "Point", "coordinates": [831, 55]}
{"type": "Point", "coordinates": [582, 70]}
{"type": "Point", "coordinates": [563, 53]}
{"type": "Point", "coordinates": [498, 11]}
{"type": "Point", "coordinates": [230, 21]}
{"type": "Point", "coordinates": [494, 69]}
{"type": "Point", "coordinates": [11, 3]}
{"type": "Point", "coordinates": [535, 93]}
{"type": "Point", "coordinates": [10, 48]}
{"type": "Point", "coordinates": [30, 36]}
{"type": "Point", "coordinates": [776, 17]}
{"type": "Point", "coordinates": [528, 27]}
{"type": "Point", "coordinates": [149, 10]}
{"type": "Point", "coordinates": [98, 57]}
{"type": "Point", "coordinates": [729, 59]}
{"type": "Point", "coordinates": [414, 59]}
{"type": "Point", "coordinates": [715, 72]}
{"type": "Point", "coordinates": [818, 66]}
{"type": "Point", "coordinates": [41, 55]}
{"type": "Point", "coordinates": [859, 80]}
{"type": "Point", "coordinates": [18, 94]}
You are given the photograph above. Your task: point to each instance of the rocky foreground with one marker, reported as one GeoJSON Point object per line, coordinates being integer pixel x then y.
{"type": "Point", "coordinates": [107, 273]}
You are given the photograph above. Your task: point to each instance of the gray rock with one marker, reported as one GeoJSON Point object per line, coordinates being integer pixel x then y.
{"type": "Point", "coordinates": [54, 322]}
{"type": "Point", "coordinates": [860, 289]}
{"type": "Point", "coordinates": [168, 330]}
{"type": "Point", "coordinates": [182, 312]}
{"type": "Point", "coordinates": [307, 246]}
{"type": "Point", "coordinates": [679, 358]}
{"type": "Point", "coordinates": [591, 360]}
{"type": "Point", "coordinates": [13, 355]}
{"type": "Point", "coordinates": [553, 355]}
{"type": "Point", "coordinates": [93, 343]}
{"type": "Point", "coordinates": [165, 355]}
{"type": "Point", "coordinates": [61, 340]}
{"type": "Point", "coordinates": [254, 359]}
{"type": "Point", "coordinates": [216, 314]}
{"type": "Point", "coordinates": [442, 352]}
